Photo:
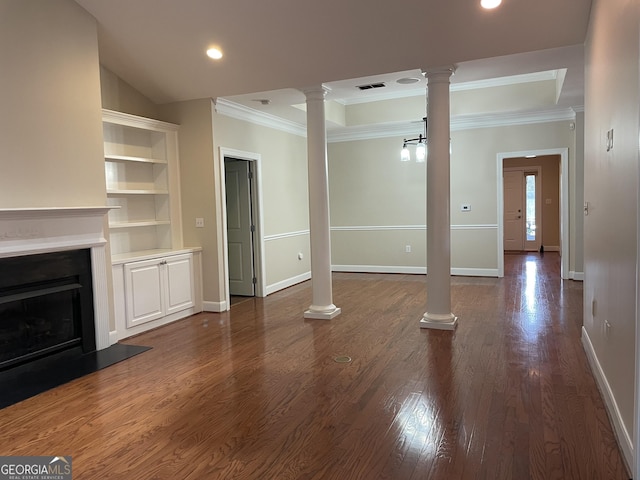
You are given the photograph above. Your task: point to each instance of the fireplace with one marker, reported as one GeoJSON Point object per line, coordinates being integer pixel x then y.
{"type": "Point", "coordinates": [46, 306]}
{"type": "Point", "coordinates": [53, 282]}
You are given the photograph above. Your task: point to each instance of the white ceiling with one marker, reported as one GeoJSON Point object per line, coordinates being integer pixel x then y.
{"type": "Point", "coordinates": [274, 47]}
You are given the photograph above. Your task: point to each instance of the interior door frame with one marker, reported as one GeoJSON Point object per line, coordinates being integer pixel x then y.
{"type": "Point", "coordinates": [564, 203]}
{"type": "Point", "coordinates": [255, 166]}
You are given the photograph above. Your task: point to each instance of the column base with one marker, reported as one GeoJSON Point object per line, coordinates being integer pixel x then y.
{"type": "Point", "coordinates": [325, 314]}
{"type": "Point", "coordinates": [439, 321]}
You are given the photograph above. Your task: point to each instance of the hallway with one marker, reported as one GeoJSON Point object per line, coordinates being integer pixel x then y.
{"type": "Point", "coordinates": [258, 393]}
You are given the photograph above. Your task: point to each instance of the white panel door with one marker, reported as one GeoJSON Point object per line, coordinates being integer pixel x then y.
{"type": "Point", "coordinates": [180, 292]}
{"type": "Point", "coordinates": [143, 286]}
{"type": "Point", "coordinates": [514, 210]}
{"type": "Point", "coordinates": [239, 228]}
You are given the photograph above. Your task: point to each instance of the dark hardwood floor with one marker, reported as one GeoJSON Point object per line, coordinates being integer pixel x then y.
{"type": "Point", "coordinates": [256, 393]}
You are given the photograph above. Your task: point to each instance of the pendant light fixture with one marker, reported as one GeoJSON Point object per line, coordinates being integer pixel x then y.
{"type": "Point", "coordinates": [421, 146]}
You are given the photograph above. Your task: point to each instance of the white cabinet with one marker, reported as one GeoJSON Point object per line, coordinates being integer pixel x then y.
{"type": "Point", "coordinates": [158, 287]}
{"type": "Point", "coordinates": [155, 290]}
{"type": "Point", "coordinates": [142, 181]}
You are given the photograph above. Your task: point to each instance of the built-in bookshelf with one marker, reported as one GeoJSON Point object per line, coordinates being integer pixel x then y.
{"type": "Point", "coordinates": [141, 172]}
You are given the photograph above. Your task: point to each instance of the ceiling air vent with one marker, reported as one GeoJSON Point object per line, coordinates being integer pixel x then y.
{"type": "Point", "coordinates": [371, 85]}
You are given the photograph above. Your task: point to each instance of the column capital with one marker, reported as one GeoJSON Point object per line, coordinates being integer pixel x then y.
{"type": "Point", "coordinates": [439, 72]}
{"type": "Point", "coordinates": [315, 92]}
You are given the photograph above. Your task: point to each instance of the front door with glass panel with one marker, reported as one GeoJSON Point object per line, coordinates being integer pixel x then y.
{"type": "Point", "coordinates": [521, 209]}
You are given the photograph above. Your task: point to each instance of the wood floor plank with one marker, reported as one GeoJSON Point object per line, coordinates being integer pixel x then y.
{"type": "Point", "coordinates": [256, 393]}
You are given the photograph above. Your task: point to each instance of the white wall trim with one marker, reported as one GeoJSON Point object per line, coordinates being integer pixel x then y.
{"type": "Point", "coordinates": [278, 236]}
{"type": "Point", "coordinates": [552, 248]}
{"type": "Point", "coordinates": [578, 276]}
{"type": "Point", "coordinates": [624, 440]}
{"type": "Point", "coordinates": [215, 306]}
{"type": "Point", "coordinates": [458, 122]}
{"type": "Point", "coordinates": [380, 228]}
{"type": "Point", "coordinates": [289, 282]}
{"type": "Point", "coordinates": [474, 272]}
{"type": "Point", "coordinates": [467, 272]}
{"type": "Point", "coordinates": [241, 112]}
{"type": "Point", "coordinates": [394, 129]}
{"type": "Point", "coordinates": [379, 269]}
{"type": "Point", "coordinates": [112, 116]}
{"type": "Point", "coordinates": [113, 337]}
{"type": "Point", "coordinates": [376, 228]}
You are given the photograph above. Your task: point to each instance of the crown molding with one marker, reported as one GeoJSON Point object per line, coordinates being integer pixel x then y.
{"type": "Point", "coordinates": [503, 119]}
{"type": "Point", "coordinates": [121, 118]}
{"type": "Point", "coordinates": [397, 129]}
{"type": "Point", "coordinates": [458, 122]}
{"type": "Point", "coordinates": [240, 112]}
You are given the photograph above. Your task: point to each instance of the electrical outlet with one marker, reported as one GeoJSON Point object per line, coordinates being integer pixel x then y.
{"type": "Point", "coordinates": [199, 222]}
{"type": "Point", "coordinates": [465, 207]}
{"type": "Point", "coordinates": [300, 256]}
{"type": "Point", "coordinates": [407, 249]}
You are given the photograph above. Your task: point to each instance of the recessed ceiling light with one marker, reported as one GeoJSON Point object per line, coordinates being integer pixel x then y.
{"type": "Point", "coordinates": [489, 4]}
{"type": "Point", "coordinates": [214, 53]}
{"type": "Point", "coordinates": [407, 80]}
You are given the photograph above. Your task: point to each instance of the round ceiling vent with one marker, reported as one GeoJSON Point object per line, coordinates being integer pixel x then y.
{"type": "Point", "coordinates": [407, 80]}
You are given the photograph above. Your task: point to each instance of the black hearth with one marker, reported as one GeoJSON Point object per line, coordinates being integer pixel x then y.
{"type": "Point", "coordinates": [46, 306]}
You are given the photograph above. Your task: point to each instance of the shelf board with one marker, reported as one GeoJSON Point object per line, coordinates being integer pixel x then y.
{"type": "Point", "coordinates": [117, 191]}
{"type": "Point", "coordinates": [125, 158]}
{"type": "Point", "coordinates": [144, 223]}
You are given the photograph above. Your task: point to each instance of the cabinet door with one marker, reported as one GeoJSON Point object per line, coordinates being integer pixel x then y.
{"type": "Point", "coordinates": [180, 293]}
{"type": "Point", "coordinates": [143, 286]}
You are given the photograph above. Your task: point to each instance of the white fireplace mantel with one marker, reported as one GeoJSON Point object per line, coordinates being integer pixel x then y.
{"type": "Point", "coordinates": [29, 231]}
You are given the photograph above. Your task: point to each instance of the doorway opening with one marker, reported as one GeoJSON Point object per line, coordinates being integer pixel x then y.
{"type": "Point", "coordinates": [242, 230]}
{"type": "Point", "coordinates": [240, 227]}
{"type": "Point", "coordinates": [542, 222]}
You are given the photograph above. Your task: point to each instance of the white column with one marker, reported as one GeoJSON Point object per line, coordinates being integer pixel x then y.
{"type": "Point", "coordinates": [438, 314]}
{"type": "Point", "coordinates": [322, 306]}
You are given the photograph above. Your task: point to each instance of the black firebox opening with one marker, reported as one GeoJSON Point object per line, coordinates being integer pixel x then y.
{"type": "Point", "coordinates": [46, 306]}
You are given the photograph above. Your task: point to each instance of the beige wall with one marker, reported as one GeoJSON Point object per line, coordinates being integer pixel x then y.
{"type": "Point", "coordinates": [120, 96]}
{"type": "Point", "coordinates": [199, 192]}
{"type": "Point", "coordinates": [611, 188]}
{"type": "Point", "coordinates": [51, 152]}
{"type": "Point", "coordinates": [503, 98]}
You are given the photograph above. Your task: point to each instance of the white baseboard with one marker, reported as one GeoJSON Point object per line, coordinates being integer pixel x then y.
{"type": "Point", "coordinates": [113, 337]}
{"type": "Point", "coordinates": [624, 440]}
{"type": "Point", "coordinates": [468, 272]}
{"type": "Point", "coordinates": [475, 272]}
{"type": "Point", "coordinates": [378, 269]}
{"type": "Point", "coordinates": [274, 287]}
{"type": "Point", "coordinates": [552, 248]}
{"type": "Point", "coordinates": [214, 306]}
{"type": "Point", "coordinates": [579, 276]}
